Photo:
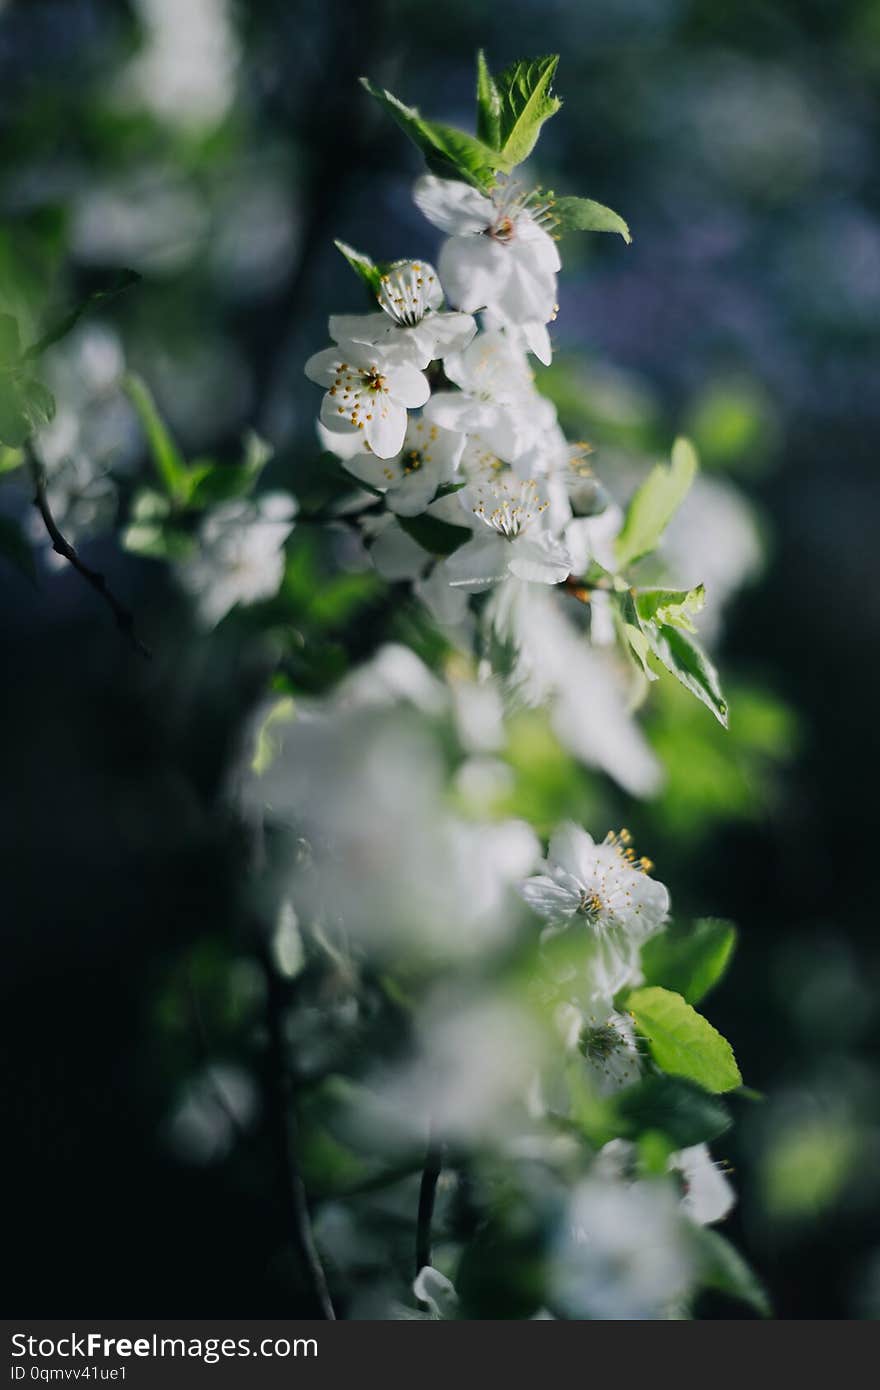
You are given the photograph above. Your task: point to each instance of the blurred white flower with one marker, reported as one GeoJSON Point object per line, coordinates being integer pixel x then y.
{"type": "Point", "coordinates": [185, 72]}
{"type": "Point", "coordinates": [622, 1254]}
{"type": "Point", "coordinates": [611, 1052]}
{"type": "Point", "coordinates": [497, 397]}
{"type": "Point", "coordinates": [434, 1289]}
{"type": "Point", "coordinates": [708, 1196]}
{"type": "Point", "coordinates": [555, 665]}
{"type": "Point", "coordinates": [712, 539]}
{"type": "Point", "coordinates": [240, 554]}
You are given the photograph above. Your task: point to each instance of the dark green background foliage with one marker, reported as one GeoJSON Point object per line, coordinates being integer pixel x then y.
{"type": "Point", "coordinates": [740, 143]}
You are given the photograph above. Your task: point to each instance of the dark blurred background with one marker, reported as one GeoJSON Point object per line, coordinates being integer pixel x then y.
{"type": "Point", "coordinates": [218, 149]}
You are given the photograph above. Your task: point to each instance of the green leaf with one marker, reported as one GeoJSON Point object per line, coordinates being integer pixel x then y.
{"type": "Point", "coordinates": [218, 482]}
{"type": "Point", "coordinates": [722, 1267]}
{"type": "Point", "coordinates": [435, 536]}
{"type": "Point", "coordinates": [690, 961]}
{"type": "Point", "coordinates": [488, 104]}
{"type": "Point", "coordinates": [17, 549]}
{"type": "Point", "coordinates": [15, 423]}
{"type": "Point", "coordinates": [62, 327]}
{"type": "Point", "coordinates": [585, 215]}
{"type": "Point", "coordinates": [38, 403]}
{"type": "Point", "coordinates": [526, 102]}
{"type": "Point", "coordinates": [10, 345]}
{"type": "Point", "coordinates": [368, 271]}
{"type": "Point", "coordinates": [654, 504]}
{"type": "Point", "coordinates": [169, 462]}
{"type": "Point", "coordinates": [670, 606]}
{"type": "Point", "coordinates": [10, 459]}
{"type": "Point", "coordinates": [448, 152]}
{"type": "Point", "coordinates": [682, 1042]}
{"type": "Point", "coordinates": [672, 1106]}
{"type": "Point", "coordinates": [685, 658]}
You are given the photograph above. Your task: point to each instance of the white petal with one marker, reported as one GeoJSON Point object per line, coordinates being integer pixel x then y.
{"type": "Point", "coordinates": [384, 432]}
{"type": "Point", "coordinates": [538, 339]}
{"type": "Point", "coordinates": [407, 386]}
{"type": "Point", "coordinates": [449, 332]}
{"type": "Point", "coordinates": [540, 559]}
{"type": "Point", "coordinates": [474, 271]}
{"type": "Point", "coordinates": [452, 206]}
{"type": "Point", "coordinates": [321, 366]}
{"type": "Point", "coordinates": [573, 849]}
{"type": "Point", "coordinates": [478, 563]}
{"type": "Point", "coordinates": [548, 899]}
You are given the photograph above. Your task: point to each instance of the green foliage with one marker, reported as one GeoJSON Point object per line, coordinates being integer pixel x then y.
{"type": "Point", "coordinates": [671, 1106]}
{"type": "Point", "coordinates": [448, 152]}
{"type": "Point", "coordinates": [367, 270]}
{"type": "Point", "coordinates": [723, 1268]}
{"type": "Point", "coordinates": [682, 1042]}
{"type": "Point", "coordinates": [60, 329]}
{"type": "Point", "coordinates": [670, 607]}
{"type": "Point", "coordinates": [585, 215]}
{"type": "Point", "coordinates": [488, 105]}
{"type": "Point", "coordinates": [436, 536]}
{"type": "Point", "coordinates": [690, 960]}
{"type": "Point", "coordinates": [655, 503]}
{"type": "Point", "coordinates": [525, 102]}
{"type": "Point", "coordinates": [685, 659]}
{"type": "Point", "coordinates": [25, 403]}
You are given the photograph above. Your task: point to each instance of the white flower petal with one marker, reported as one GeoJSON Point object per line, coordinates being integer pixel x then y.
{"type": "Point", "coordinates": [452, 206]}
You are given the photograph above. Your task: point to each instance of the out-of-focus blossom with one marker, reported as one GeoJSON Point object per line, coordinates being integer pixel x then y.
{"type": "Point", "coordinates": [240, 554]}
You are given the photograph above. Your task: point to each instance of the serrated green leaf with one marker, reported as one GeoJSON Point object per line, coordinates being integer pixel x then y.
{"type": "Point", "coordinates": [681, 1111]}
{"type": "Point", "coordinates": [435, 536]}
{"type": "Point", "coordinates": [674, 607]}
{"type": "Point", "coordinates": [16, 548]}
{"type": "Point", "coordinates": [692, 960]}
{"type": "Point", "coordinates": [361, 264]}
{"type": "Point", "coordinates": [585, 215]}
{"type": "Point", "coordinates": [169, 462]}
{"type": "Point", "coordinates": [63, 326]}
{"type": "Point", "coordinates": [488, 104]}
{"type": "Point", "coordinates": [682, 1042]}
{"type": "Point", "coordinates": [526, 102]}
{"type": "Point", "coordinates": [722, 1267]}
{"type": "Point", "coordinates": [655, 503]}
{"type": "Point", "coordinates": [448, 152]}
{"type": "Point", "coordinates": [685, 659]}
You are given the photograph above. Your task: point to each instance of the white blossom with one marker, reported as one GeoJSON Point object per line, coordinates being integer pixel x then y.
{"type": "Point", "coordinates": [623, 1252]}
{"type": "Point", "coordinates": [606, 891]}
{"type": "Point", "coordinates": [429, 457]}
{"type": "Point", "coordinates": [497, 257]}
{"type": "Point", "coordinates": [511, 539]}
{"type": "Point", "coordinates": [411, 325]}
{"type": "Point", "coordinates": [367, 390]}
{"type": "Point", "coordinates": [240, 554]}
{"type": "Point", "coordinates": [497, 396]}
{"type": "Point", "coordinates": [707, 1196]}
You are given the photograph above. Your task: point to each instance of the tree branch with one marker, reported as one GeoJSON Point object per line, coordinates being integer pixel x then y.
{"type": "Point", "coordinates": [427, 1195]}
{"type": "Point", "coordinates": [61, 546]}
{"type": "Point", "coordinates": [283, 1121]}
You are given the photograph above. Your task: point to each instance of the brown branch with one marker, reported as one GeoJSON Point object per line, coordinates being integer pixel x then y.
{"type": "Point", "coordinates": [427, 1196]}
{"type": "Point", "coordinates": [62, 546]}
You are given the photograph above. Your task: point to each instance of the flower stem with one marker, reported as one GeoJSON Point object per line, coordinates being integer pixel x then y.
{"type": "Point", "coordinates": [427, 1194]}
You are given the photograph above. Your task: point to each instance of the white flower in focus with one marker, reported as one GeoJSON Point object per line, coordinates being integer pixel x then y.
{"type": "Point", "coordinates": [367, 391]}
{"type": "Point", "coordinates": [497, 257]}
{"type": "Point", "coordinates": [512, 539]}
{"type": "Point", "coordinates": [605, 890]}
{"type": "Point", "coordinates": [497, 396]}
{"type": "Point", "coordinates": [708, 1196]}
{"type": "Point", "coordinates": [623, 1253]}
{"type": "Point", "coordinates": [428, 458]}
{"type": "Point", "coordinates": [611, 1052]}
{"type": "Point", "coordinates": [411, 325]}
{"type": "Point", "coordinates": [240, 556]}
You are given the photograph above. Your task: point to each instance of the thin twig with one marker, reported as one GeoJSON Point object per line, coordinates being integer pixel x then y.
{"type": "Point", "coordinates": [62, 546]}
{"type": "Point", "coordinates": [283, 1121]}
{"type": "Point", "coordinates": [427, 1195]}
